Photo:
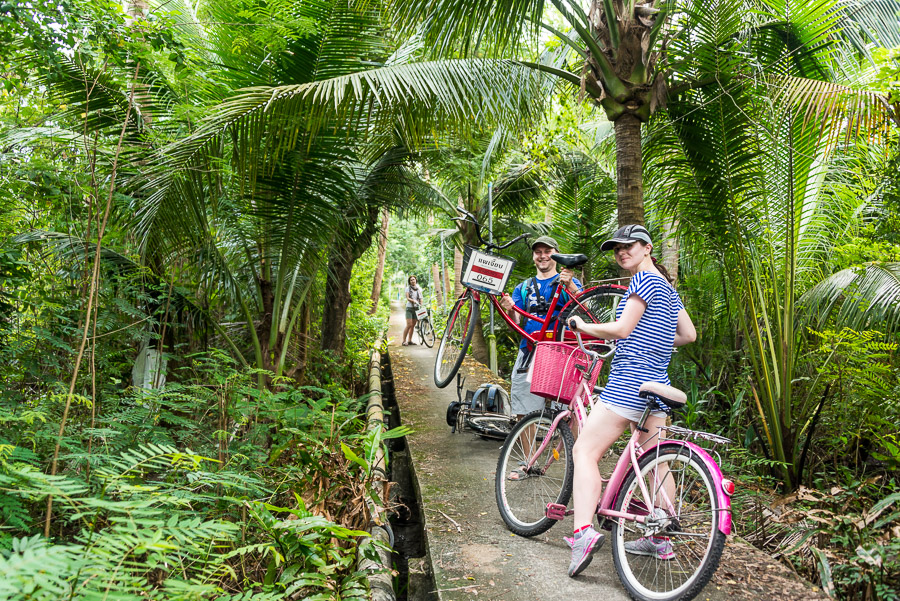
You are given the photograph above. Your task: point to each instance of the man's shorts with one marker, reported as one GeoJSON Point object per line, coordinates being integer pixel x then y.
{"type": "Point", "coordinates": [411, 313]}
{"type": "Point", "coordinates": [521, 400]}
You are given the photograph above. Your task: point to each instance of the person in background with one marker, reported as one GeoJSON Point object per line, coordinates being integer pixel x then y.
{"type": "Point", "coordinates": [413, 300]}
{"type": "Point", "coordinates": [650, 320]}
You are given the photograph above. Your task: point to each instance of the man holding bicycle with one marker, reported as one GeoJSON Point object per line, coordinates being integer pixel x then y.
{"type": "Point", "coordinates": [534, 295]}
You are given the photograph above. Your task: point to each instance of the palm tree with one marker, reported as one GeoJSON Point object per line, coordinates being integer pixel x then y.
{"type": "Point", "coordinates": [314, 154]}
{"type": "Point", "coordinates": [461, 176]}
{"type": "Point", "coordinates": [752, 167]}
{"type": "Point", "coordinates": [618, 43]}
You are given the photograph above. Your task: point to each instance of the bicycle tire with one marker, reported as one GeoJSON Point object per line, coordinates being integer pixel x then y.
{"type": "Point", "coordinates": [696, 541]}
{"type": "Point", "coordinates": [523, 503]}
{"type": "Point", "coordinates": [455, 340]}
{"type": "Point", "coordinates": [598, 305]}
{"type": "Point", "coordinates": [426, 332]}
{"type": "Point", "coordinates": [490, 426]}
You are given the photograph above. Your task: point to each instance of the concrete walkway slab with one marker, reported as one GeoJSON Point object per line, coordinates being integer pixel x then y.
{"type": "Point", "coordinates": [472, 554]}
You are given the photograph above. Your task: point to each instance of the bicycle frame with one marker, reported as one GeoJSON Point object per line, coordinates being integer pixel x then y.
{"type": "Point", "coordinates": [630, 460]}
{"type": "Point", "coordinates": [544, 334]}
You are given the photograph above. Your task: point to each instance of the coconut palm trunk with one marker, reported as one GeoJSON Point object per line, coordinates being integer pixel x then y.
{"type": "Point", "coordinates": [629, 170]}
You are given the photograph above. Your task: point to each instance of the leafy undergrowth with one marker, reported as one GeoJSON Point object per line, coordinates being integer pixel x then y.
{"type": "Point", "coordinates": [213, 490]}
{"type": "Point", "coordinates": [846, 539]}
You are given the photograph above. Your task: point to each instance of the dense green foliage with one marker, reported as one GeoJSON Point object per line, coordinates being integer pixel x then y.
{"type": "Point", "coordinates": [203, 184]}
{"type": "Point", "coordinates": [198, 490]}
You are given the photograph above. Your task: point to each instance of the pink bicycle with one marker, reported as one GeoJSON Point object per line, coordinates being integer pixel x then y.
{"type": "Point", "coordinates": [667, 487]}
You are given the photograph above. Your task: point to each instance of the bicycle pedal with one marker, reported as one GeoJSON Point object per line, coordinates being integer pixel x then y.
{"type": "Point", "coordinates": [555, 511]}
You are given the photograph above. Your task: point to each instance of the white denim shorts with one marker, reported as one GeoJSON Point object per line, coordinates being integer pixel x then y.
{"type": "Point", "coordinates": [631, 414]}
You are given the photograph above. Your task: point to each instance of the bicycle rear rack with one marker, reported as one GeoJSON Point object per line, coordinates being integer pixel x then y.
{"type": "Point", "coordinates": [697, 436]}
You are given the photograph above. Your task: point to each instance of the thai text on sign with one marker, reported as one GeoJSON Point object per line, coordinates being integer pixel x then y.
{"type": "Point", "coordinates": [487, 272]}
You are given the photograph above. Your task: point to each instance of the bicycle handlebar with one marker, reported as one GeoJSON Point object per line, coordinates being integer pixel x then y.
{"type": "Point", "coordinates": [606, 355]}
{"type": "Point", "coordinates": [489, 245]}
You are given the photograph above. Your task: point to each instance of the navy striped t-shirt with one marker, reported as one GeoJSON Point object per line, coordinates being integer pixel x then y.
{"type": "Point", "coordinates": [644, 355]}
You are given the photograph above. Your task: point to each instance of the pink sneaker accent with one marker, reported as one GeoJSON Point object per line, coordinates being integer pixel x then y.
{"type": "Point", "coordinates": [583, 549]}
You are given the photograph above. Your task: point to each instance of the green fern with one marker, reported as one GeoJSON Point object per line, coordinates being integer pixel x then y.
{"type": "Point", "coordinates": [37, 569]}
{"type": "Point", "coordinates": [13, 514]}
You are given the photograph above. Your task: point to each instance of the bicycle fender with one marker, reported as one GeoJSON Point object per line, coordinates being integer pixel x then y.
{"type": "Point", "coordinates": [724, 500]}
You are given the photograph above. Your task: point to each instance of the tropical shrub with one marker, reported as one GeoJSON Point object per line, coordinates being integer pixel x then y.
{"type": "Point", "coordinates": [198, 490]}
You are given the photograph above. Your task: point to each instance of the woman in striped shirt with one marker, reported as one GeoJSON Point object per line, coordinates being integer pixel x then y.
{"type": "Point", "coordinates": [650, 320]}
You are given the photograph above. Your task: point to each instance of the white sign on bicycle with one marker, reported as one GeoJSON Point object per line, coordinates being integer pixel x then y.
{"type": "Point", "coordinates": [421, 313]}
{"type": "Point", "coordinates": [487, 272]}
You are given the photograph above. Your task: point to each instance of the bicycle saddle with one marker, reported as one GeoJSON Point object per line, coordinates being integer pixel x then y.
{"type": "Point", "coordinates": [669, 395]}
{"type": "Point", "coordinates": [570, 260]}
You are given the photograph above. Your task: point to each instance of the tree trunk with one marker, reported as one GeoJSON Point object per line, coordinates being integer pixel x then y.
{"type": "Point", "coordinates": [669, 250]}
{"type": "Point", "coordinates": [629, 170]}
{"type": "Point", "coordinates": [337, 297]}
{"type": "Point", "coordinates": [267, 292]}
{"type": "Point", "coordinates": [379, 270]}
{"type": "Point", "coordinates": [457, 270]}
{"type": "Point", "coordinates": [479, 344]}
{"type": "Point", "coordinates": [348, 246]}
{"type": "Point", "coordinates": [438, 285]}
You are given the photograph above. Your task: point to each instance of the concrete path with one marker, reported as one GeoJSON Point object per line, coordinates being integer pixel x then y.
{"type": "Point", "coordinates": [472, 554]}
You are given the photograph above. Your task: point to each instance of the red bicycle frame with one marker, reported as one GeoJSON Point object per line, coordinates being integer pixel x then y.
{"type": "Point", "coordinates": [544, 333]}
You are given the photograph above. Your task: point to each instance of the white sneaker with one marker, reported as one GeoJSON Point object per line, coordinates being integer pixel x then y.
{"type": "Point", "coordinates": [583, 549]}
{"type": "Point", "coordinates": [659, 547]}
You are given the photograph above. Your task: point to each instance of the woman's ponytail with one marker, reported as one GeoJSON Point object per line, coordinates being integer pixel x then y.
{"type": "Point", "coordinates": [663, 270]}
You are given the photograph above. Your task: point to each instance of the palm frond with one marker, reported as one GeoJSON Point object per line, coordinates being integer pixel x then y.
{"type": "Point", "coordinates": [861, 298]}
{"type": "Point", "coordinates": [869, 22]}
{"type": "Point", "coordinates": [492, 25]}
{"type": "Point", "coordinates": [833, 109]}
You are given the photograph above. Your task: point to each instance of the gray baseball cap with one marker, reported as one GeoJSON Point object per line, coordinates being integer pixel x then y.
{"type": "Point", "coordinates": [626, 234]}
{"type": "Point", "coordinates": [546, 241]}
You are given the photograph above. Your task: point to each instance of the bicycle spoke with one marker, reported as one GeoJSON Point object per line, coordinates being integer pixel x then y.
{"type": "Point", "coordinates": [523, 502]}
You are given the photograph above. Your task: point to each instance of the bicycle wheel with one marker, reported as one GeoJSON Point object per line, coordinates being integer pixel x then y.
{"type": "Point", "coordinates": [491, 425]}
{"type": "Point", "coordinates": [595, 305]}
{"type": "Point", "coordinates": [426, 332]}
{"type": "Point", "coordinates": [523, 503]}
{"type": "Point", "coordinates": [681, 567]}
{"type": "Point", "coordinates": [456, 339]}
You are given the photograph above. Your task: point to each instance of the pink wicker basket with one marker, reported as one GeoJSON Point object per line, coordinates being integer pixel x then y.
{"type": "Point", "coordinates": [555, 374]}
